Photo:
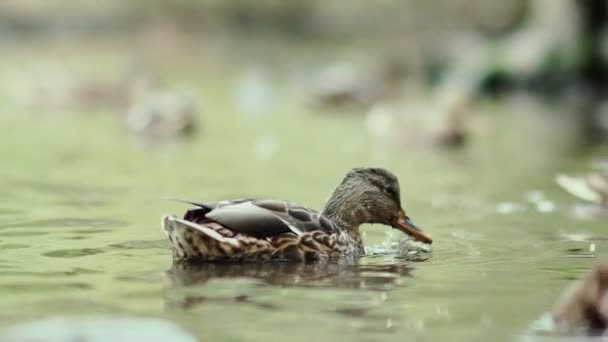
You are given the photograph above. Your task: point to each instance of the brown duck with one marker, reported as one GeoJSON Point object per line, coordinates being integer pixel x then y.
{"type": "Point", "coordinates": [262, 230]}
{"type": "Point", "coordinates": [583, 307]}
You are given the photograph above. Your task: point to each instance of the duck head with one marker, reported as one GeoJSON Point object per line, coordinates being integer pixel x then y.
{"type": "Point", "coordinates": [371, 195]}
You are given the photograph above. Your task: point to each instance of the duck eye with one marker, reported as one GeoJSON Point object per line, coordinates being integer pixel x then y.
{"type": "Point", "coordinates": [390, 191]}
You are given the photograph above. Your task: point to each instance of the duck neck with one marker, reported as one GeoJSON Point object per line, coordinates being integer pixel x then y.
{"type": "Point", "coordinates": [345, 210]}
{"type": "Point", "coordinates": [343, 221]}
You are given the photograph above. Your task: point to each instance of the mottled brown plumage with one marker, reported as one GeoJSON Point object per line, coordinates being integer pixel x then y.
{"type": "Point", "coordinates": [261, 229]}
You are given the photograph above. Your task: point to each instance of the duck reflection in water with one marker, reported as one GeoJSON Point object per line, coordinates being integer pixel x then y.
{"type": "Point", "coordinates": [345, 275]}
{"type": "Point", "coordinates": [338, 275]}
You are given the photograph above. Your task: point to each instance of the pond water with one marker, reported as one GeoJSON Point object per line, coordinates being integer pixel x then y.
{"type": "Point", "coordinates": [82, 200]}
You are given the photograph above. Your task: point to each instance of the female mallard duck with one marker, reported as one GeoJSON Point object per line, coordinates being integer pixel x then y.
{"type": "Point", "coordinates": [260, 230]}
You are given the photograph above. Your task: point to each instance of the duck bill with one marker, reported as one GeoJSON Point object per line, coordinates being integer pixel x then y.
{"type": "Point", "coordinates": [406, 225]}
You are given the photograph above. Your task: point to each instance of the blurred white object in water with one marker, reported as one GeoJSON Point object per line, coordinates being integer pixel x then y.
{"type": "Point", "coordinates": [586, 188]}
{"type": "Point", "coordinates": [98, 330]}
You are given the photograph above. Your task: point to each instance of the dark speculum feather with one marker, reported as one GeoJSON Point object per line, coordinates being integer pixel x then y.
{"type": "Point", "coordinates": [197, 215]}
{"type": "Point", "coordinates": [301, 215]}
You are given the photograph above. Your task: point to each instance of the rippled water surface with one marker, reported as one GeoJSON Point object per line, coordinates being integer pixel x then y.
{"type": "Point", "coordinates": [82, 200]}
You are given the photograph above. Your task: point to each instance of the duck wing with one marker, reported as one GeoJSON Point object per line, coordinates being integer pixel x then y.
{"type": "Point", "coordinates": [260, 218]}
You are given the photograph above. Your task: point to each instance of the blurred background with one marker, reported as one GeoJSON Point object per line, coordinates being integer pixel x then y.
{"type": "Point", "coordinates": [393, 62]}
{"type": "Point", "coordinates": [477, 106]}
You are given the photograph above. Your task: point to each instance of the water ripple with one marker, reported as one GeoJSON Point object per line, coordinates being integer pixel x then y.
{"type": "Point", "coordinates": [54, 274]}
{"type": "Point", "coordinates": [15, 287]}
{"type": "Point", "coordinates": [69, 222]}
{"type": "Point", "coordinates": [4, 211]}
{"type": "Point", "coordinates": [73, 253]}
{"type": "Point", "coordinates": [13, 246]}
{"type": "Point", "coordinates": [23, 233]}
{"type": "Point", "coordinates": [141, 244]}
{"type": "Point", "coordinates": [68, 188]}
{"type": "Point", "coordinates": [84, 203]}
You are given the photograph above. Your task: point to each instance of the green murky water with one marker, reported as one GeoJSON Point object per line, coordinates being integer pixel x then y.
{"type": "Point", "coordinates": [80, 235]}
